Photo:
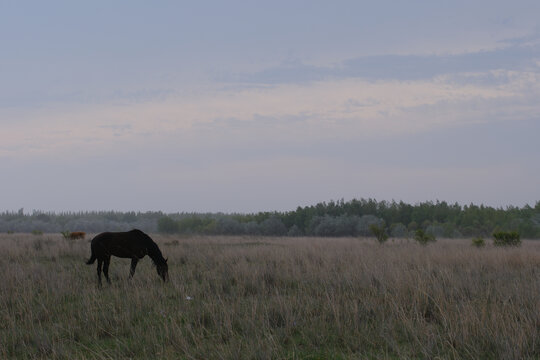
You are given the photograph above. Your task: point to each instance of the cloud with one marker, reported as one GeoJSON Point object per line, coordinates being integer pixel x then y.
{"type": "Point", "coordinates": [346, 109]}
{"type": "Point", "coordinates": [512, 55]}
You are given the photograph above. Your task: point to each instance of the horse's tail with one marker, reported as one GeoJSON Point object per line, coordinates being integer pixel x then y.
{"type": "Point", "coordinates": [92, 259]}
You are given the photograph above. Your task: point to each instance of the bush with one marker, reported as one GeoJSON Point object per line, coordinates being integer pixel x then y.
{"type": "Point", "coordinates": [379, 232]}
{"type": "Point", "coordinates": [478, 242]}
{"type": "Point", "coordinates": [423, 238]}
{"type": "Point", "coordinates": [506, 238]}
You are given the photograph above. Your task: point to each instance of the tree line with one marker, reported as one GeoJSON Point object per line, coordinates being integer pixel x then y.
{"type": "Point", "coordinates": [354, 218]}
{"type": "Point", "coordinates": [333, 218]}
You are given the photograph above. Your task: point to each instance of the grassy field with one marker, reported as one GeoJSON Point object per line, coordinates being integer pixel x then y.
{"type": "Point", "coordinates": [272, 298]}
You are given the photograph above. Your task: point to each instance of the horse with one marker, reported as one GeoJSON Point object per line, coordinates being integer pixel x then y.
{"type": "Point", "coordinates": [133, 244]}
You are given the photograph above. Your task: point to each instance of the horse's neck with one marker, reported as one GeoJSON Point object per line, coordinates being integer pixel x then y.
{"type": "Point", "coordinates": [154, 253]}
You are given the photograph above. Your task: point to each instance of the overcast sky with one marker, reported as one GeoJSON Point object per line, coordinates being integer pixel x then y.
{"type": "Point", "coordinates": [243, 106]}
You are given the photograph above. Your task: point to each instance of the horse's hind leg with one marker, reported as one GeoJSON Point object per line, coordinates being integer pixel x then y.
{"type": "Point", "coordinates": [134, 262]}
{"type": "Point", "coordinates": [99, 264]}
{"type": "Point", "coordinates": [106, 263]}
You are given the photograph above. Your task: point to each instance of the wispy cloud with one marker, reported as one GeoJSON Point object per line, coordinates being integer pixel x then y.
{"type": "Point", "coordinates": [512, 55]}
{"type": "Point", "coordinates": [339, 108]}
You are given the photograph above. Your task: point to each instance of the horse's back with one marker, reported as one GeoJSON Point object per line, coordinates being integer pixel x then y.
{"type": "Point", "coordinates": [129, 244]}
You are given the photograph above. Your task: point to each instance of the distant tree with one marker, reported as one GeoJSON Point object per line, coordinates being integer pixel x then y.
{"type": "Point", "coordinates": [435, 229]}
{"type": "Point", "coordinates": [327, 225]}
{"type": "Point", "coordinates": [252, 228]}
{"type": "Point", "coordinates": [273, 226]}
{"type": "Point", "coordinates": [413, 226]}
{"type": "Point", "coordinates": [364, 223]}
{"type": "Point", "coordinates": [228, 226]}
{"type": "Point", "coordinates": [194, 224]}
{"type": "Point", "coordinates": [295, 231]}
{"type": "Point", "coordinates": [322, 226]}
{"type": "Point", "coordinates": [129, 217]}
{"type": "Point", "coordinates": [167, 225]}
{"type": "Point", "coordinates": [398, 230]}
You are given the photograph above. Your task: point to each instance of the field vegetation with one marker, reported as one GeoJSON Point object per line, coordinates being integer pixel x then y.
{"type": "Point", "coordinates": [272, 298]}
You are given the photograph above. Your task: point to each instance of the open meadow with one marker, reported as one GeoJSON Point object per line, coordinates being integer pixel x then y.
{"type": "Point", "coordinates": [271, 298]}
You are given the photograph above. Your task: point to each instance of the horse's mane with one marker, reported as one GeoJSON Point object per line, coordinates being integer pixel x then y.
{"type": "Point", "coordinates": [153, 250]}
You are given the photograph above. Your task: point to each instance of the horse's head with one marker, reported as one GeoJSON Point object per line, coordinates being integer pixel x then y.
{"type": "Point", "coordinates": [163, 270]}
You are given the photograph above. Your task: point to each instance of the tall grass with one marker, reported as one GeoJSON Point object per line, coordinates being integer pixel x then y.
{"type": "Point", "coordinates": [272, 298]}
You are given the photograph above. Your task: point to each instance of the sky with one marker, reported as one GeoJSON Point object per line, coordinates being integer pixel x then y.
{"type": "Point", "coordinates": [246, 106]}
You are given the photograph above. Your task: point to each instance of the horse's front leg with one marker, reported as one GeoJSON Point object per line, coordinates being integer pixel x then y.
{"type": "Point", "coordinates": [134, 262]}
{"type": "Point", "coordinates": [106, 263]}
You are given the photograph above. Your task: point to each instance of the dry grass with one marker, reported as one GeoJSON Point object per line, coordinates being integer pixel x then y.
{"type": "Point", "coordinates": [267, 298]}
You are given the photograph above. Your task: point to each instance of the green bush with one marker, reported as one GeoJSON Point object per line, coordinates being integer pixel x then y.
{"type": "Point", "coordinates": [506, 238]}
{"type": "Point", "coordinates": [65, 234]}
{"type": "Point", "coordinates": [423, 238]}
{"type": "Point", "coordinates": [478, 242]}
{"type": "Point", "coordinates": [379, 232]}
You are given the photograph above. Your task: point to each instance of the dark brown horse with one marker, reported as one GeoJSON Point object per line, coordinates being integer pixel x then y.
{"type": "Point", "coordinates": [132, 244]}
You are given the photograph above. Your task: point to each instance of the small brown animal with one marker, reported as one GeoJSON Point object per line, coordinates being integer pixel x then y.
{"type": "Point", "coordinates": [77, 235]}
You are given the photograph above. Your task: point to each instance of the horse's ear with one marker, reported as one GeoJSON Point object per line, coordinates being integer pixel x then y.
{"type": "Point", "coordinates": [167, 259]}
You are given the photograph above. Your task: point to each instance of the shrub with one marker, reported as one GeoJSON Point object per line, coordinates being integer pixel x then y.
{"type": "Point", "coordinates": [379, 232]}
{"type": "Point", "coordinates": [65, 234]}
{"type": "Point", "coordinates": [37, 232]}
{"type": "Point", "coordinates": [478, 242]}
{"type": "Point", "coordinates": [506, 238]}
{"type": "Point", "coordinates": [423, 238]}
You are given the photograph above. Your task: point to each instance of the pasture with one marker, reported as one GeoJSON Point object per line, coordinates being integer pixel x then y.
{"type": "Point", "coordinates": [271, 298]}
